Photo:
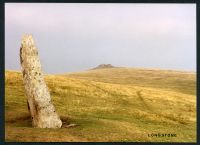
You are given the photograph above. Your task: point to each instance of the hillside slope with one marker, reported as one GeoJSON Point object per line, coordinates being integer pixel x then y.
{"type": "Point", "coordinates": [108, 106]}
{"type": "Point", "coordinates": [184, 82]}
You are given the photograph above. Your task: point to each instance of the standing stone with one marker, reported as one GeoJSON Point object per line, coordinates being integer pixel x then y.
{"type": "Point", "coordinates": [42, 111]}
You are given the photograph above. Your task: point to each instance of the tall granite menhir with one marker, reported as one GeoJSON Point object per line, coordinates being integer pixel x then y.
{"type": "Point", "coordinates": [42, 111]}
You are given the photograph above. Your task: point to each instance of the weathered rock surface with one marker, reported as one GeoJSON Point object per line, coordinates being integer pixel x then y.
{"type": "Point", "coordinates": [39, 100]}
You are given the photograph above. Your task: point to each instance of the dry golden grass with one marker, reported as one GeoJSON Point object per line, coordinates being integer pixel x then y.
{"type": "Point", "coordinates": [117, 104]}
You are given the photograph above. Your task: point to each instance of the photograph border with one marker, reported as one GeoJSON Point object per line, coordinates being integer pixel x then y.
{"type": "Point", "coordinates": [2, 56]}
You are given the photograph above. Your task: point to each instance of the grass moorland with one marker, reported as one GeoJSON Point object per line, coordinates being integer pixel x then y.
{"type": "Point", "coordinates": [114, 104]}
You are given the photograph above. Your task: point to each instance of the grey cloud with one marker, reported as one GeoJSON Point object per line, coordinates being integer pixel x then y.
{"type": "Point", "coordinates": [75, 37]}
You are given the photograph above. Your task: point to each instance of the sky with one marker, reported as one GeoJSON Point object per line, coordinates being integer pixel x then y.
{"type": "Point", "coordinates": [74, 37]}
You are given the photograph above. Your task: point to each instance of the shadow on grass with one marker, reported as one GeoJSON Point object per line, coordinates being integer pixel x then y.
{"type": "Point", "coordinates": [23, 117]}
{"type": "Point", "coordinates": [25, 120]}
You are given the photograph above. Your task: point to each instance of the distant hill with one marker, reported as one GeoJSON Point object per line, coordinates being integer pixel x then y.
{"type": "Point", "coordinates": [102, 66]}
{"type": "Point", "coordinates": [161, 79]}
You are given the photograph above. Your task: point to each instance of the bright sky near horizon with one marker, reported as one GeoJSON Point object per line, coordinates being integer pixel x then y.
{"type": "Point", "coordinates": [74, 37]}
